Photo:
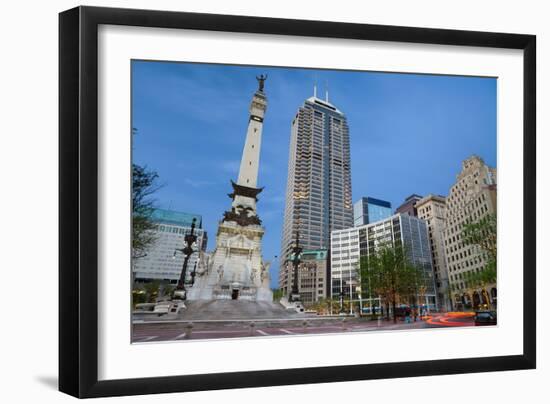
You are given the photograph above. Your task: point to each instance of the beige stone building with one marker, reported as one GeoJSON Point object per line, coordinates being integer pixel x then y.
{"type": "Point", "coordinates": [432, 209]}
{"type": "Point", "coordinates": [312, 276]}
{"type": "Point", "coordinates": [472, 197]}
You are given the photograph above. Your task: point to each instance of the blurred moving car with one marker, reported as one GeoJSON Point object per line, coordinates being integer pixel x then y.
{"type": "Point", "coordinates": [485, 317]}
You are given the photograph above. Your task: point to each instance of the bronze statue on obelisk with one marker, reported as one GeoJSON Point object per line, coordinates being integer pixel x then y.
{"type": "Point", "coordinates": [261, 79]}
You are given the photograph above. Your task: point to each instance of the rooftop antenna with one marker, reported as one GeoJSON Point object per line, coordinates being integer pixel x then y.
{"type": "Point", "coordinates": [315, 86]}
{"type": "Point", "coordinates": [326, 91]}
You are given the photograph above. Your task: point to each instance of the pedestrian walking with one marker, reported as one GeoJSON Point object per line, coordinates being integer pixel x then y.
{"type": "Point", "coordinates": [407, 315]}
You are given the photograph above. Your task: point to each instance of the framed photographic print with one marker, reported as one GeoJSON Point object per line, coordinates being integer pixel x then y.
{"type": "Point", "coordinates": [264, 201]}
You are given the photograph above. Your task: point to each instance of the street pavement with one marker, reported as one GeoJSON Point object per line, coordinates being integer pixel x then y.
{"type": "Point", "coordinates": [150, 332]}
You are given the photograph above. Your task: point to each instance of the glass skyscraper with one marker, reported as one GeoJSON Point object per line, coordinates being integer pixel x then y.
{"type": "Point", "coordinates": [318, 194]}
{"type": "Point", "coordinates": [369, 210]}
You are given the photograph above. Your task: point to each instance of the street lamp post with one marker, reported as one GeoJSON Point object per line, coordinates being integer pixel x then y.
{"type": "Point", "coordinates": [295, 293]}
{"type": "Point", "coordinates": [194, 273]}
{"type": "Point", "coordinates": [351, 285]}
{"type": "Point", "coordinates": [187, 250]}
{"type": "Point", "coordinates": [358, 290]}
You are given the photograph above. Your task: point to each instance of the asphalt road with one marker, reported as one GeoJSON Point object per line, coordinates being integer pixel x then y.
{"type": "Point", "coordinates": [150, 332]}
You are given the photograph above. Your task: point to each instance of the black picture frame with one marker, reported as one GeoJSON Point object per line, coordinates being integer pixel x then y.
{"type": "Point", "coordinates": [78, 201]}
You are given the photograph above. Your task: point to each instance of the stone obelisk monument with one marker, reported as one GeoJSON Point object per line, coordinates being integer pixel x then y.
{"type": "Point", "coordinates": [235, 269]}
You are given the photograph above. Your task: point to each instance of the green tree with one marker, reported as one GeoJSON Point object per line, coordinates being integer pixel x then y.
{"type": "Point", "coordinates": [143, 187]}
{"type": "Point", "coordinates": [414, 284]}
{"type": "Point", "coordinates": [387, 272]}
{"type": "Point", "coordinates": [448, 292]}
{"type": "Point", "coordinates": [138, 296]}
{"type": "Point", "coordinates": [326, 306]}
{"type": "Point", "coordinates": [167, 290]}
{"type": "Point", "coordinates": [482, 234]}
{"type": "Point", "coordinates": [277, 294]}
{"type": "Point", "coordinates": [151, 291]}
{"type": "Point", "coordinates": [366, 284]}
{"type": "Point", "coordinates": [474, 280]}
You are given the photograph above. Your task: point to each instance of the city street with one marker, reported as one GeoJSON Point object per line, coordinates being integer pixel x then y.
{"type": "Point", "coordinates": [155, 331]}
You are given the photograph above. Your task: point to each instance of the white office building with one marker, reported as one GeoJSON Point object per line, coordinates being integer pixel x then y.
{"type": "Point", "coordinates": [349, 245]}
{"type": "Point", "coordinates": [163, 261]}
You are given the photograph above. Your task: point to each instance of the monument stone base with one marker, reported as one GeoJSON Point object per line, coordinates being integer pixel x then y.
{"type": "Point", "coordinates": [235, 270]}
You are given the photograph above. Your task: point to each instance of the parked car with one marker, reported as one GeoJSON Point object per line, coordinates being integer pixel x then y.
{"type": "Point", "coordinates": [485, 317]}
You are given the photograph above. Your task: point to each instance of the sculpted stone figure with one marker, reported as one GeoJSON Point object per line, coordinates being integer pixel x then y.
{"type": "Point", "coordinates": [261, 80]}
{"type": "Point", "coordinates": [252, 275]}
{"type": "Point", "coordinates": [265, 271]}
{"type": "Point", "coordinates": [241, 217]}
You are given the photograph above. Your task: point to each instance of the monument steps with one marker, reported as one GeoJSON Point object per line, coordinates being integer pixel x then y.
{"type": "Point", "coordinates": [235, 310]}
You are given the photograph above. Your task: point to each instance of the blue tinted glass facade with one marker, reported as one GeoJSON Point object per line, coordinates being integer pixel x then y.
{"type": "Point", "coordinates": [176, 218]}
{"type": "Point", "coordinates": [376, 212]}
{"type": "Point", "coordinates": [369, 210]}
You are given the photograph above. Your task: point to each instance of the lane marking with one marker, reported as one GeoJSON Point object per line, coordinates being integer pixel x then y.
{"type": "Point", "coordinates": [286, 331]}
{"type": "Point", "coordinates": [146, 339]}
{"type": "Point", "coordinates": [212, 332]}
{"type": "Point", "coordinates": [262, 332]}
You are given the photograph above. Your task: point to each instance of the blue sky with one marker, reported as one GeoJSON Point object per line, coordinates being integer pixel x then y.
{"type": "Point", "coordinates": [409, 133]}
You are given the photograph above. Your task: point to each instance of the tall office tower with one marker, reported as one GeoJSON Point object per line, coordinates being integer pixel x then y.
{"type": "Point", "coordinates": [408, 207]}
{"type": "Point", "coordinates": [432, 208]}
{"type": "Point", "coordinates": [318, 194]}
{"type": "Point", "coordinates": [349, 246]}
{"type": "Point", "coordinates": [472, 197]}
{"type": "Point", "coordinates": [368, 210]}
{"type": "Point", "coordinates": [163, 262]}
